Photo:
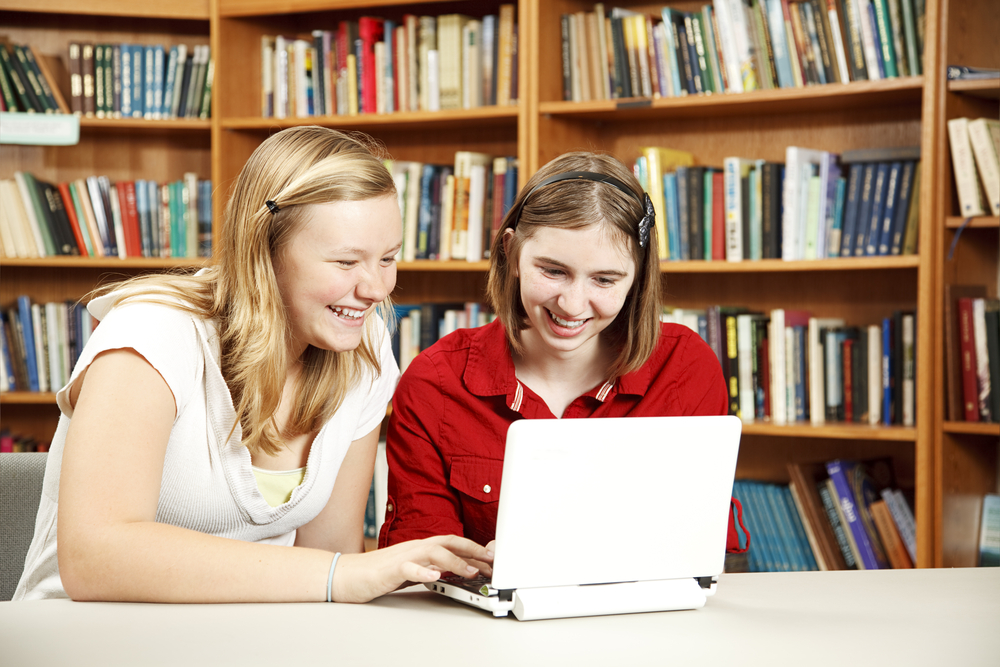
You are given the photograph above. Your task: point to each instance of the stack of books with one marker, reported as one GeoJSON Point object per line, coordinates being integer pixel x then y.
{"type": "Point", "coordinates": [94, 217]}
{"type": "Point", "coordinates": [26, 81]}
{"type": "Point", "coordinates": [975, 145]}
{"type": "Point", "coordinates": [814, 205]}
{"type": "Point", "coordinates": [40, 343]}
{"type": "Point", "coordinates": [788, 366]}
{"type": "Point", "coordinates": [377, 65]}
{"type": "Point", "coordinates": [452, 212]}
{"type": "Point", "coordinates": [734, 46]}
{"type": "Point", "coordinates": [418, 326]}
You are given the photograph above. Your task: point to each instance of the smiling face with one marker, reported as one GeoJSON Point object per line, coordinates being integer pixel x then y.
{"type": "Point", "coordinates": [336, 268]}
{"type": "Point", "coordinates": [573, 284]}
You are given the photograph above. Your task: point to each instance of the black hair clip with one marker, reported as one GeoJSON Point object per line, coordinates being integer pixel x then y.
{"type": "Point", "coordinates": [647, 221]}
{"type": "Point", "coordinates": [272, 206]}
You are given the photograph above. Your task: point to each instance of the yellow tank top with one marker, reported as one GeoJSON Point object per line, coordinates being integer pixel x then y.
{"type": "Point", "coordinates": [277, 485]}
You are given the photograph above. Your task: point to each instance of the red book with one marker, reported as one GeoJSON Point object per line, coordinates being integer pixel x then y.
{"type": "Point", "coordinates": [718, 217]}
{"type": "Point", "coordinates": [130, 219]}
{"type": "Point", "coordinates": [967, 346]}
{"type": "Point", "coordinates": [370, 31]}
{"type": "Point", "coordinates": [74, 223]}
{"type": "Point", "coordinates": [847, 358]}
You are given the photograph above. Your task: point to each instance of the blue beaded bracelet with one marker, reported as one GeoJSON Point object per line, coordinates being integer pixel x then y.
{"type": "Point", "coordinates": [329, 581]}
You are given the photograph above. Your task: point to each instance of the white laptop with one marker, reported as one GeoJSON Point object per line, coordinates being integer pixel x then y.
{"type": "Point", "coordinates": [608, 516]}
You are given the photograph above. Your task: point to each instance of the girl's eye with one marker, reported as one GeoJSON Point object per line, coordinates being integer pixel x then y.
{"type": "Point", "coordinates": [389, 261]}
{"type": "Point", "coordinates": [552, 272]}
{"type": "Point", "coordinates": [605, 282]}
{"type": "Point", "coordinates": [346, 262]}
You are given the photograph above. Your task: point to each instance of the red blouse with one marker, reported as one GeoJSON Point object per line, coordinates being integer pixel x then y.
{"type": "Point", "coordinates": [451, 411]}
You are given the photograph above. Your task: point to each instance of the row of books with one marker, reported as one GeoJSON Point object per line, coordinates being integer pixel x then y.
{"type": "Point", "coordinates": [850, 515]}
{"type": "Point", "coordinates": [788, 366]}
{"type": "Point", "coordinates": [989, 531]}
{"type": "Point", "coordinates": [453, 211]}
{"type": "Point", "coordinates": [733, 46]}
{"type": "Point", "coordinates": [94, 217]}
{"type": "Point", "coordinates": [12, 443]}
{"type": "Point", "coordinates": [975, 145]}
{"type": "Point", "coordinates": [815, 205]}
{"type": "Point", "coordinates": [377, 65]}
{"type": "Point", "coordinates": [418, 326]}
{"type": "Point", "coordinates": [27, 83]}
{"type": "Point", "coordinates": [972, 343]}
{"type": "Point", "coordinates": [141, 80]}
{"type": "Point", "coordinates": [41, 343]}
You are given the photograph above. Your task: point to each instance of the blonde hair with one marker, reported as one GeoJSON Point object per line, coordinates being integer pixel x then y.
{"type": "Point", "coordinates": [293, 169]}
{"type": "Point", "coordinates": [575, 204]}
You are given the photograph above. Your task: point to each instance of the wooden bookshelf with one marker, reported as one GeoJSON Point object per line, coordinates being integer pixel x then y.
{"type": "Point", "coordinates": [966, 455]}
{"type": "Point", "coordinates": [946, 463]}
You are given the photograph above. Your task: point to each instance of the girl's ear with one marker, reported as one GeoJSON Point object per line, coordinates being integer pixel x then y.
{"type": "Point", "coordinates": [508, 239]}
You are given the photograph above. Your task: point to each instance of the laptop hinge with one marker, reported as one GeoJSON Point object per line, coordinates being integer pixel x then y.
{"type": "Point", "coordinates": [505, 594]}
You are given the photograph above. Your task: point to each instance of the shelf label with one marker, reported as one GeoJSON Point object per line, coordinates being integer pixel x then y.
{"type": "Point", "coordinates": [39, 129]}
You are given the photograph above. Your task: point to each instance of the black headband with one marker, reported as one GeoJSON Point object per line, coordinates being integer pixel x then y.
{"type": "Point", "coordinates": [649, 216]}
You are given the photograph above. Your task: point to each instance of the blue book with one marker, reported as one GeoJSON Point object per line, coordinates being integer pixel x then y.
{"type": "Point", "coordinates": [148, 80]}
{"type": "Point", "coordinates": [865, 209]}
{"type": "Point", "coordinates": [759, 555]}
{"type": "Point", "coordinates": [880, 189]}
{"type": "Point", "coordinates": [989, 532]}
{"type": "Point", "coordinates": [800, 372]}
{"type": "Point", "coordinates": [855, 492]}
{"type": "Point", "coordinates": [799, 530]}
{"type": "Point", "coordinates": [168, 87]}
{"type": "Point", "coordinates": [878, 44]}
{"type": "Point", "coordinates": [28, 331]}
{"type": "Point", "coordinates": [126, 103]}
{"type": "Point", "coordinates": [390, 64]}
{"type": "Point", "coordinates": [509, 185]}
{"type": "Point", "coordinates": [834, 240]}
{"type": "Point", "coordinates": [903, 204]}
{"type": "Point", "coordinates": [775, 503]}
{"type": "Point", "coordinates": [138, 74]}
{"type": "Point", "coordinates": [673, 213]}
{"type": "Point", "coordinates": [830, 176]}
{"type": "Point", "coordinates": [424, 214]}
{"type": "Point", "coordinates": [670, 26]}
{"type": "Point", "coordinates": [779, 44]}
{"type": "Point", "coordinates": [158, 66]}
{"type": "Point", "coordinates": [889, 212]}
{"type": "Point", "coordinates": [142, 208]}
{"type": "Point", "coordinates": [205, 218]}
{"type": "Point", "coordinates": [811, 23]}
{"type": "Point", "coordinates": [887, 371]}
{"type": "Point", "coordinates": [852, 203]}
{"type": "Point", "coordinates": [779, 550]}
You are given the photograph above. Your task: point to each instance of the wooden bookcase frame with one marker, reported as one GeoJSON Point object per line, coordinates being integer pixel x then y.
{"type": "Point", "coordinates": [949, 465]}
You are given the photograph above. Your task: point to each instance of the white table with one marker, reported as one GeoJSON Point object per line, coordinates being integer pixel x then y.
{"type": "Point", "coordinates": [878, 619]}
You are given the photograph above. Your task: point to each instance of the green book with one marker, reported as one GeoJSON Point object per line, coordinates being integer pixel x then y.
{"type": "Point", "coordinates": [885, 38]}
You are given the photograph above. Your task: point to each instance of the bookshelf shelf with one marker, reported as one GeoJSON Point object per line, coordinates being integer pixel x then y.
{"type": "Point", "coordinates": [973, 428]}
{"type": "Point", "coordinates": [841, 97]}
{"type": "Point", "coordinates": [781, 266]}
{"type": "Point", "coordinates": [833, 431]}
{"type": "Point", "coordinates": [985, 88]}
{"type": "Point", "coordinates": [27, 398]}
{"type": "Point", "coordinates": [148, 263]}
{"type": "Point", "coordinates": [193, 124]}
{"type": "Point", "coordinates": [482, 116]}
{"type": "Point", "coordinates": [457, 266]}
{"type": "Point", "coordinates": [981, 222]}
{"type": "Point", "coordinates": [177, 9]}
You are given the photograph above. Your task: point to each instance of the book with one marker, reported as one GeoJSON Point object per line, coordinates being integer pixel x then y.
{"type": "Point", "coordinates": [889, 535]}
{"type": "Point", "coordinates": [805, 478]}
{"type": "Point", "coordinates": [991, 312]}
{"type": "Point", "coordinates": [856, 491]}
{"type": "Point", "coordinates": [879, 196]}
{"type": "Point", "coordinates": [835, 515]}
{"type": "Point", "coordinates": [818, 367]}
{"type": "Point", "coordinates": [984, 384]}
{"type": "Point", "coordinates": [959, 353]}
{"type": "Point", "coordinates": [659, 161]}
{"type": "Point", "coordinates": [735, 171]}
{"type": "Point", "coordinates": [989, 531]}
{"type": "Point", "coordinates": [985, 153]}
{"type": "Point", "coordinates": [964, 169]}
{"type": "Point", "coordinates": [902, 517]}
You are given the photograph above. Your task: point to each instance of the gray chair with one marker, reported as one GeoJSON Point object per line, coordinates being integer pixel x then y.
{"type": "Point", "coordinates": [21, 477]}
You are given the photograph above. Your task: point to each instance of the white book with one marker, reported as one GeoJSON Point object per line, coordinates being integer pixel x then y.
{"type": "Point", "coordinates": [817, 367]}
{"type": "Point", "coordinates": [742, 43]}
{"type": "Point", "coordinates": [874, 374]}
{"type": "Point", "coordinates": [986, 160]}
{"type": "Point", "coordinates": [300, 47]}
{"type": "Point", "coordinates": [909, 375]}
{"type": "Point", "coordinates": [602, 47]}
{"type": "Point", "coordinates": [53, 343]}
{"type": "Point", "coordinates": [735, 169]}
{"type": "Point", "coordinates": [734, 78]}
{"type": "Point", "coordinates": [280, 77]}
{"type": "Point", "coordinates": [411, 210]}
{"type": "Point", "coordinates": [477, 200]}
{"type": "Point", "coordinates": [969, 200]}
{"type": "Point", "coordinates": [381, 96]}
{"type": "Point", "coordinates": [472, 65]}
{"type": "Point", "coordinates": [447, 217]}
{"type": "Point", "coordinates": [983, 383]}
{"type": "Point", "coordinates": [400, 53]}
{"type": "Point", "coordinates": [838, 44]}
{"type": "Point", "coordinates": [116, 216]}
{"type": "Point", "coordinates": [62, 315]}
{"type": "Point", "coordinates": [13, 209]}
{"type": "Point", "coordinates": [433, 83]}
{"type": "Point", "coordinates": [41, 351]}
{"type": "Point", "coordinates": [798, 163]}
{"type": "Point", "coordinates": [24, 188]}
{"type": "Point", "coordinates": [776, 352]}
{"type": "Point", "coordinates": [869, 40]}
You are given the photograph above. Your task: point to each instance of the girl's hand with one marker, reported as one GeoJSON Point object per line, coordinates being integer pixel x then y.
{"type": "Point", "coordinates": [363, 577]}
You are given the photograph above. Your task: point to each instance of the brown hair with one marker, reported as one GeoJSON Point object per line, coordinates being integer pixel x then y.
{"type": "Point", "coordinates": [294, 168]}
{"type": "Point", "coordinates": [575, 204]}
